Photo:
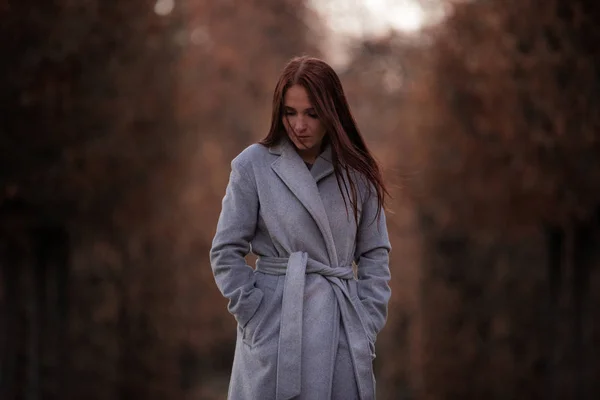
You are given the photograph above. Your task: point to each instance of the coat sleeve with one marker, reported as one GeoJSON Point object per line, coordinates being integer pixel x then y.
{"type": "Point", "coordinates": [235, 230]}
{"type": "Point", "coordinates": [372, 259]}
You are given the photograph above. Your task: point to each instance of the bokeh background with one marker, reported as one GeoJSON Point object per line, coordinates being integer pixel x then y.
{"type": "Point", "coordinates": [118, 123]}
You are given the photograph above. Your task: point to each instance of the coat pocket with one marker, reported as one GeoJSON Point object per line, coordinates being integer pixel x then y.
{"type": "Point", "coordinates": [251, 333]}
{"type": "Point", "coordinates": [365, 322]}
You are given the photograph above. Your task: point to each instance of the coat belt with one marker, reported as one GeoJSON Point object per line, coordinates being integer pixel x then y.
{"type": "Point", "coordinates": [295, 269]}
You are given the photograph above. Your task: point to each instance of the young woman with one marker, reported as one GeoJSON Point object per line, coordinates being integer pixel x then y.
{"type": "Point", "coordinates": [308, 201]}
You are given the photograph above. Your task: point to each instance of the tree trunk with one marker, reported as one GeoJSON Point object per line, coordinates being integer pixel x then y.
{"type": "Point", "coordinates": [582, 265]}
{"type": "Point", "coordinates": [555, 242]}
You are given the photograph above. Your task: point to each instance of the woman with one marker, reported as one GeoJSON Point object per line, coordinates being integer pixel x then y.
{"type": "Point", "coordinates": [308, 201]}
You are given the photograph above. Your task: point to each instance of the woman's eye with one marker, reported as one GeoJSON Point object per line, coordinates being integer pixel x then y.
{"type": "Point", "coordinates": [314, 116]}
{"type": "Point", "coordinates": [288, 112]}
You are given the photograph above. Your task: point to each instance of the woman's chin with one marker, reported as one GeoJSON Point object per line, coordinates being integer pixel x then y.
{"type": "Point", "coordinates": [303, 146]}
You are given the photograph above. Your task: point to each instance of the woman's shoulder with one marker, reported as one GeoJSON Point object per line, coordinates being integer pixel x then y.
{"type": "Point", "coordinates": [251, 155]}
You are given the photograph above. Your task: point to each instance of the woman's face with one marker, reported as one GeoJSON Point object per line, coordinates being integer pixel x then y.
{"type": "Point", "coordinates": [301, 122]}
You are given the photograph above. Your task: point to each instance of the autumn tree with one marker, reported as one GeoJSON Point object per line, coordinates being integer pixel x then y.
{"type": "Point", "coordinates": [509, 143]}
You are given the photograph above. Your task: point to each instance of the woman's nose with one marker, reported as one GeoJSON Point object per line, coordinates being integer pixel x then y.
{"type": "Point", "coordinates": [299, 124]}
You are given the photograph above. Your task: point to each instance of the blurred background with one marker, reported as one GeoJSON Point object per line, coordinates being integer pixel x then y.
{"type": "Point", "coordinates": [118, 123]}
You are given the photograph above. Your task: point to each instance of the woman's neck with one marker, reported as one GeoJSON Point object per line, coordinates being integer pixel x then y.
{"type": "Point", "coordinates": [309, 155]}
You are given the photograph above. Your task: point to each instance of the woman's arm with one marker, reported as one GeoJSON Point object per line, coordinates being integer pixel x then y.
{"type": "Point", "coordinates": [235, 229]}
{"type": "Point", "coordinates": [372, 258]}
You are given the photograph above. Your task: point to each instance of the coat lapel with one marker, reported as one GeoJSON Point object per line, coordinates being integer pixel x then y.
{"type": "Point", "coordinates": [303, 184]}
{"type": "Point", "coordinates": [323, 165]}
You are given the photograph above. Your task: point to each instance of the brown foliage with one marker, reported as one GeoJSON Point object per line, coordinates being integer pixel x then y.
{"type": "Point", "coordinates": [513, 135]}
{"type": "Point", "coordinates": [504, 128]}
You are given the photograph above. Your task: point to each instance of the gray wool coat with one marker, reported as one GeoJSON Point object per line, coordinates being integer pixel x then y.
{"type": "Point", "coordinates": [306, 325]}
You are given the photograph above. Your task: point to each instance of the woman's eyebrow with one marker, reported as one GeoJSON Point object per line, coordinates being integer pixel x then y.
{"type": "Point", "coordinates": [293, 109]}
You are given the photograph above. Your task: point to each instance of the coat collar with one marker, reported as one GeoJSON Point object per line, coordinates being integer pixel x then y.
{"type": "Point", "coordinates": [303, 184]}
{"type": "Point", "coordinates": [323, 165]}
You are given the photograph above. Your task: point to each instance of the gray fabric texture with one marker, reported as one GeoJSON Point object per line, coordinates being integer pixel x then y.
{"type": "Point", "coordinates": [306, 325]}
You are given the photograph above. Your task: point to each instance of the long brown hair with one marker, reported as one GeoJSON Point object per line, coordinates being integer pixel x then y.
{"type": "Point", "coordinates": [349, 150]}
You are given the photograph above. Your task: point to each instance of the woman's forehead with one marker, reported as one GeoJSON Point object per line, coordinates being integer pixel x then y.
{"type": "Point", "coordinates": [297, 97]}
